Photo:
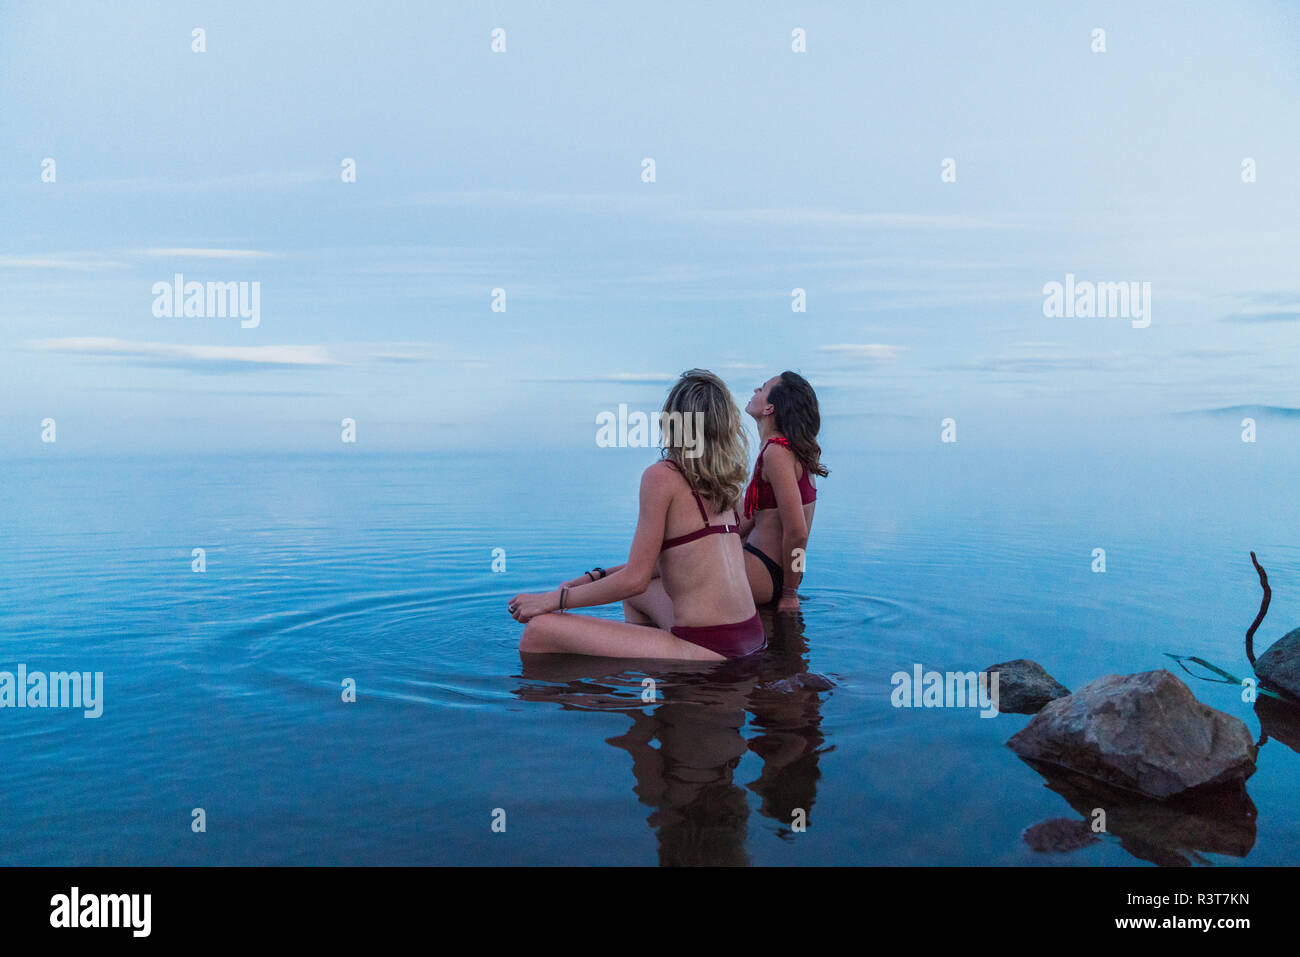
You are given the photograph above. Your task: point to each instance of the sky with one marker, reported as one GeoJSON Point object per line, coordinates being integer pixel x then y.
{"type": "Point", "coordinates": [522, 170]}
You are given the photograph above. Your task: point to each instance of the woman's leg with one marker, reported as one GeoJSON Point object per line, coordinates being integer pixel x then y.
{"type": "Point", "coordinates": [651, 607]}
{"type": "Point", "coordinates": [581, 635]}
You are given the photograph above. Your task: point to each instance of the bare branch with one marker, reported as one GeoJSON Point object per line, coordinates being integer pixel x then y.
{"type": "Point", "coordinates": [1263, 609]}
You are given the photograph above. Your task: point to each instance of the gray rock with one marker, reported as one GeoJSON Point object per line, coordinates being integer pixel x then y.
{"type": "Point", "coordinates": [1279, 667]}
{"type": "Point", "coordinates": [1024, 687]}
{"type": "Point", "coordinates": [1144, 732]}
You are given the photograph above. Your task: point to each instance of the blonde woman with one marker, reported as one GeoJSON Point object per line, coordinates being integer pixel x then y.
{"type": "Point", "coordinates": [684, 590]}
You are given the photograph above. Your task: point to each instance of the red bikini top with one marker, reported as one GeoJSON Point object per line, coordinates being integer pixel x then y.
{"type": "Point", "coordinates": [707, 529]}
{"type": "Point", "coordinates": [759, 495]}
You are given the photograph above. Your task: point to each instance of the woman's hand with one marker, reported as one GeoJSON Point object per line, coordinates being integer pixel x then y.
{"type": "Point", "coordinates": [529, 605]}
{"type": "Point", "coordinates": [789, 603]}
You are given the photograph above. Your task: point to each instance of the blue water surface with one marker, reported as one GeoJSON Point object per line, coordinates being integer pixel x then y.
{"type": "Point", "coordinates": [224, 689]}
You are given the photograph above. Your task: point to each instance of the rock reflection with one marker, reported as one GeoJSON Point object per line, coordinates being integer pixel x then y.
{"type": "Point", "coordinates": [1278, 720]}
{"type": "Point", "coordinates": [1173, 833]}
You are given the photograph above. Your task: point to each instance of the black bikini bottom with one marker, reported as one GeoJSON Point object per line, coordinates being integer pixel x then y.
{"type": "Point", "coordinates": [774, 570]}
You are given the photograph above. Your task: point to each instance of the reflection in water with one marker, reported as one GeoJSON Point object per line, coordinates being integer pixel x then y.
{"type": "Point", "coordinates": [1171, 833]}
{"type": "Point", "coordinates": [789, 719]}
{"type": "Point", "coordinates": [1279, 720]}
{"type": "Point", "coordinates": [699, 812]}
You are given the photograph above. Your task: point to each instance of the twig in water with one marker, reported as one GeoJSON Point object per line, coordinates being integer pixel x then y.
{"type": "Point", "coordinates": [1263, 609]}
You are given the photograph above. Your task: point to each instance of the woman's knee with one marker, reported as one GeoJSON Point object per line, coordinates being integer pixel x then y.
{"type": "Point", "coordinates": [634, 613]}
{"type": "Point", "coordinates": [537, 634]}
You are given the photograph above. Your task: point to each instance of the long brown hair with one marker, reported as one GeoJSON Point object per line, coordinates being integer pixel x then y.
{"type": "Point", "coordinates": [719, 470]}
{"type": "Point", "coordinates": [799, 419]}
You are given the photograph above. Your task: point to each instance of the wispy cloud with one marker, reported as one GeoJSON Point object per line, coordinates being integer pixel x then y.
{"type": "Point", "coordinates": [231, 393]}
{"type": "Point", "coordinates": [1049, 362]}
{"type": "Point", "coordinates": [403, 352]}
{"type": "Point", "coordinates": [1269, 297]}
{"type": "Point", "coordinates": [97, 261]}
{"type": "Point", "coordinates": [1235, 410]}
{"type": "Point", "coordinates": [1283, 315]}
{"type": "Point", "coordinates": [190, 252]}
{"type": "Point", "coordinates": [185, 356]}
{"type": "Point", "coordinates": [573, 202]}
{"type": "Point", "coordinates": [1214, 352]}
{"type": "Point", "coordinates": [619, 378]}
{"type": "Point", "coordinates": [197, 357]}
{"type": "Point", "coordinates": [835, 217]}
{"type": "Point", "coordinates": [875, 352]}
{"type": "Point", "coordinates": [269, 179]}
{"type": "Point", "coordinates": [678, 207]}
{"type": "Point", "coordinates": [79, 262]}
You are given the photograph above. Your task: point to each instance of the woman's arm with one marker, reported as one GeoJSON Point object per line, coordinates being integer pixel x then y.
{"type": "Point", "coordinates": [584, 578]}
{"type": "Point", "coordinates": [630, 578]}
{"type": "Point", "coordinates": [633, 577]}
{"type": "Point", "coordinates": [781, 468]}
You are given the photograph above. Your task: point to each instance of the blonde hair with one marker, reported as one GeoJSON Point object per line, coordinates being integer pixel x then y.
{"type": "Point", "coordinates": [720, 464]}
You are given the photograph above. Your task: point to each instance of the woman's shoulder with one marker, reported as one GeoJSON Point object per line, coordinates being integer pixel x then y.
{"type": "Point", "coordinates": [778, 449]}
{"type": "Point", "coordinates": [661, 474]}
{"type": "Point", "coordinates": [781, 457]}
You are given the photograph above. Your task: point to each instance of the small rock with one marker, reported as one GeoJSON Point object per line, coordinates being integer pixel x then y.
{"type": "Point", "coordinates": [1059, 835]}
{"type": "Point", "coordinates": [1279, 667]}
{"type": "Point", "coordinates": [805, 679]}
{"type": "Point", "coordinates": [1144, 732]}
{"type": "Point", "coordinates": [1024, 687]}
{"type": "Point", "coordinates": [814, 682]}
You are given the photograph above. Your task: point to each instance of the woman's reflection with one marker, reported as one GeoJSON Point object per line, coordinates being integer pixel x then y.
{"type": "Point", "coordinates": [699, 812]}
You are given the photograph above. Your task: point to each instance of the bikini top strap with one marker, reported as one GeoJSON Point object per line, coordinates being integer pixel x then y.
{"type": "Point", "coordinates": [777, 439]}
{"type": "Point", "coordinates": [699, 502]}
{"type": "Point", "coordinates": [758, 462]}
{"type": "Point", "coordinates": [785, 443]}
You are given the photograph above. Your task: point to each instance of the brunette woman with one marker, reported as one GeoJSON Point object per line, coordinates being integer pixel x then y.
{"type": "Point", "coordinates": [781, 496]}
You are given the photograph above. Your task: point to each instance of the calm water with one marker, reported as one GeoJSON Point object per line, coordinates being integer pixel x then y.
{"type": "Point", "coordinates": [223, 689]}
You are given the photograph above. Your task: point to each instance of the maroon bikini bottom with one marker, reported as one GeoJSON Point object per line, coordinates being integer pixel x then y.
{"type": "Point", "coordinates": [731, 641]}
